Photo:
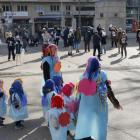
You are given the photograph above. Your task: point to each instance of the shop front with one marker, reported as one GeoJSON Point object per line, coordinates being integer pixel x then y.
{"type": "Point", "coordinates": [46, 23]}
{"type": "Point", "coordinates": [86, 20]}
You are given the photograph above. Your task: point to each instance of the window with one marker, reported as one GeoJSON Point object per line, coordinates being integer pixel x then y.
{"type": "Point", "coordinates": [22, 8]}
{"type": "Point", "coordinates": [6, 7]}
{"type": "Point", "coordinates": [101, 15]}
{"type": "Point", "coordinates": [86, 8]}
{"type": "Point", "coordinates": [67, 7]}
{"type": "Point", "coordinates": [38, 8]}
{"type": "Point", "coordinates": [54, 8]}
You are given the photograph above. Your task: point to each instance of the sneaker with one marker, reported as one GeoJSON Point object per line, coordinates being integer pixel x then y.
{"type": "Point", "coordinates": [100, 60]}
{"type": "Point", "coordinates": [22, 121]}
{"type": "Point", "coordinates": [2, 118]}
{"type": "Point", "coordinates": [20, 126]}
{"type": "Point", "coordinates": [2, 126]}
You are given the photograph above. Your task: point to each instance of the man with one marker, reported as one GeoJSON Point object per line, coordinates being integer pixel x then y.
{"type": "Point", "coordinates": [118, 38]}
{"type": "Point", "coordinates": [96, 44]}
{"type": "Point", "coordinates": [65, 37]}
{"type": "Point", "coordinates": [11, 41]}
{"type": "Point", "coordinates": [99, 30]}
{"type": "Point", "coordinates": [24, 38]}
{"type": "Point", "coordinates": [87, 38]}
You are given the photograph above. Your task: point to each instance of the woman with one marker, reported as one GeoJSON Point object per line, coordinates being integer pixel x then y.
{"type": "Point", "coordinates": [114, 37]}
{"type": "Point", "coordinates": [93, 110]}
{"type": "Point", "coordinates": [48, 64]}
{"type": "Point", "coordinates": [46, 38]}
{"type": "Point", "coordinates": [123, 43]}
{"type": "Point", "coordinates": [70, 42]}
{"type": "Point", "coordinates": [77, 35]}
{"type": "Point", "coordinates": [56, 37]}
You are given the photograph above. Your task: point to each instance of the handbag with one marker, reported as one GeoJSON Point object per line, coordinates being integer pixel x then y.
{"type": "Point", "coordinates": [102, 92]}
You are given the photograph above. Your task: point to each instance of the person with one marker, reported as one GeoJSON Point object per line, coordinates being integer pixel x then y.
{"type": "Point", "coordinates": [99, 30]}
{"type": "Point", "coordinates": [48, 94]}
{"type": "Point", "coordinates": [77, 35]}
{"type": "Point", "coordinates": [3, 106]}
{"type": "Point", "coordinates": [46, 38]}
{"type": "Point", "coordinates": [28, 36]}
{"type": "Point", "coordinates": [58, 83]}
{"type": "Point", "coordinates": [95, 106]}
{"type": "Point", "coordinates": [58, 132]}
{"type": "Point", "coordinates": [66, 93]}
{"type": "Point", "coordinates": [56, 37]}
{"type": "Point", "coordinates": [58, 30]}
{"type": "Point", "coordinates": [24, 38]}
{"type": "Point", "coordinates": [103, 42]}
{"type": "Point", "coordinates": [11, 46]}
{"type": "Point", "coordinates": [65, 37]}
{"type": "Point", "coordinates": [123, 43]}
{"type": "Point", "coordinates": [18, 48]}
{"type": "Point", "coordinates": [96, 44]}
{"type": "Point", "coordinates": [87, 38]}
{"type": "Point", "coordinates": [18, 105]}
{"type": "Point", "coordinates": [70, 43]}
{"type": "Point", "coordinates": [17, 34]}
{"type": "Point", "coordinates": [48, 64]}
{"type": "Point", "coordinates": [138, 38]}
{"type": "Point", "coordinates": [118, 38]}
{"type": "Point", "coordinates": [114, 37]}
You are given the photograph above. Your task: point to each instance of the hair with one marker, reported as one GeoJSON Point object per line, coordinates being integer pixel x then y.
{"type": "Point", "coordinates": [18, 41]}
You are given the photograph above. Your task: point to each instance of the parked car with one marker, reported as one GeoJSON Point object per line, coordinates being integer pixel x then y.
{"type": "Point", "coordinates": [83, 29]}
{"type": "Point", "coordinates": [129, 27]}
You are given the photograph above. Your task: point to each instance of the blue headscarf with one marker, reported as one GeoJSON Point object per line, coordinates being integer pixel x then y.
{"type": "Point", "coordinates": [57, 79]}
{"type": "Point", "coordinates": [92, 66]}
{"type": "Point", "coordinates": [17, 87]}
{"type": "Point", "coordinates": [49, 84]}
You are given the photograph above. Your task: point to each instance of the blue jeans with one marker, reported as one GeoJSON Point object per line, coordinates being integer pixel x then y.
{"type": "Point", "coordinates": [103, 47]}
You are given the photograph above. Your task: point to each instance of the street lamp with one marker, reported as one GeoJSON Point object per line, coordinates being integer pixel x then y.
{"type": "Point", "coordinates": [12, 13]}
{"type": "Point", "coordinates": [62, 14]}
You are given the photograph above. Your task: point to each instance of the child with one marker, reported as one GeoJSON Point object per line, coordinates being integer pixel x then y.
{"type": "Point", "coordinates": [18, 48]}
{"type": "Point", "coordinates": [70, 43]}
{"type": "Point", "coordinates": [3, 107]}
{"type": "Point", "coordinates": [57, 107]}
{"type": "Point", "coordinates": [18, 105]}
{"type": "Point", "coordinates": [58, 83]}
{"type": "Point", "coordinates": [48, 91]}
{"type": "Point", "coordinates": [66, 93]}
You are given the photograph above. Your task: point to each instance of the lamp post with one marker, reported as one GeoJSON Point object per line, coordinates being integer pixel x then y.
{"type": "Point", "coordinates": [79, 14]}
{"type": "Point", "coordinates": [12, 13]}
{"type": "Point", "coordinates": [62, 14]}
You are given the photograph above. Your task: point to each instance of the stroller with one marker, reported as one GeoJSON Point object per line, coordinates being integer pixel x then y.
{"type": "Point", "coordinates": [34, 41]}
{"type": "Point", "coordinates": [44, 50]}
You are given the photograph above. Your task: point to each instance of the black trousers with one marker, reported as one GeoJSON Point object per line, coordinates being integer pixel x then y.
{"type": "Point", "coordinates": [87, 43]}
{"type": "Point", "coordinates": [9, 54]}
{"type": "Point", "coordinates": [56, 42]}
{"type": "Point", "coordinates": [113, 43]}
{"type": "Point", "coordinates": [17, 123]}
{"type": "Point", "coordinates": [65, 43]}
{"type": "Point", "coordinates": [94, 52]}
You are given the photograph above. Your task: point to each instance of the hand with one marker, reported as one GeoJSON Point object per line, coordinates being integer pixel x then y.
{"type": "Point", "coordinates": [66, 105]}
{"type": "Point", "coordinates": [18, 108]}
{"type": "Point", "coordinates": [119, 108]}
{"type": "Point", "coordinates": [56, 128]}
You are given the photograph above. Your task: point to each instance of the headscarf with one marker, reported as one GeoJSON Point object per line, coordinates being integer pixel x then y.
{"type": "Point", "coordinates": [73, 86]}
{"type": "Point", "coordinates": [93, 65]}
{"type": "Point", "coordinates": [51, 51]}
{"type": "Point", "coordinates": [76, 90]}
{"type": "Point", "coordinates": [19, 80]}
{"type": "Point", "coordinates": [48, 87]}
{"type": "Point", "coordinates": [57, 79]}
{"type": "Point", "coordinates": [67, 90]}
{"type": "Point", "coordinates": [58, 102]}
{"type": "Point", "coordinates": [17, 87]}
{"type": "Point", "coordinates": [0, 84]}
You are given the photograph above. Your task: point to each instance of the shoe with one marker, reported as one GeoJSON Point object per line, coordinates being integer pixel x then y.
{"type": "Point", "coordinates": [8, 59]}
{"type": "Point", "coordinates": [118, 52]}
{"type": "Point", "coordinates": [2, 118]}
{"type": "Point", "coordinates": [2, 126]}
{"type": "Point", "coordinates": [20, 126]}
{"type": "Point", "coordinates": [68, 53]}
{"type": "Point", "coordinates": [22, 121]}
{"type": "Point", "coordinates": [13, 59]}
{"type": "Point", "coordinates": [100, 60]}
{"type": "Point", "coordinates": [88, 50]}
{"type": "Point", "coordinates": [76, 51]}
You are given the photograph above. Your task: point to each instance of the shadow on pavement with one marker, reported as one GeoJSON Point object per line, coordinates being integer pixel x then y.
{"type": "Point", "coordinates": [113, 55]}
{"type": "Point", "coordinates": [81, 66]}
{"type": "Point", "coordinates": [134, 56]}
{"type": "Point", "coordinates": [116, 61]}
{"type": "Point", "coordinates": [7, 68]}
{"type": "Point", "coordinates": [34, 61]}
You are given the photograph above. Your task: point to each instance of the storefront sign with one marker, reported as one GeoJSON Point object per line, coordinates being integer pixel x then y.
{"type": "Point", "coordinates": [48, 19]}
{"type": "Point", "coordinates": [16, 14]}
{"type": "Point", "coordinates": [84, 16]}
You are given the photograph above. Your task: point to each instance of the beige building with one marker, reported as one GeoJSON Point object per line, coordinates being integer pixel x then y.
{"type": "Point", "coordinates": [36, 14]}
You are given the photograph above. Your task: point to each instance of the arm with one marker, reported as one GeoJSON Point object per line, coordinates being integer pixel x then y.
{"type": "Point", "coordinates": [54, 122]}
{"type": "Point", "coordinates": [15, 103]}
{"type": "Point", "coordinates": [46, 71]}
{"type": "Point", "coordinates": [1, 94]}
{"type": "Point", "coordinates": [111, 95]}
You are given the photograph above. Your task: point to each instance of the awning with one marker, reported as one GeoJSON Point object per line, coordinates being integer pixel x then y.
{"type": "Point", "coordinates": [48, 19]}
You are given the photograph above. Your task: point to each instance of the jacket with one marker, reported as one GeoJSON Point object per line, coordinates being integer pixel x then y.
{"type": "Point", "coordinates": [88, 36]}
{"type": "Point", "coordinates": [18, 48]}
{"type": "Point", "coordinates": [123, 37]}
{"type": "Point", "coordinates": [46, 39]}
{"type": "Point", "coordinates": [24, 35]}
{"type": "Point", "coordinates": [10, 46]}
{"type": "Point", "coordinates": [65, 34]}
{"type": "Point", "coordinates": [96, 40]}
{"type": "Point", "coordinates": [113, 35]}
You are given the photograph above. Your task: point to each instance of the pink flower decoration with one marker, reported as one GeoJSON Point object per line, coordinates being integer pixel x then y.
{"type": "Point", "coordinates": [73, 106]}
{"type": "Point", "coordinates": [87, 87]}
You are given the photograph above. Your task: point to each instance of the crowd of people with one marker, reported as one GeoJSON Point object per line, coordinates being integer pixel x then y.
{"type": "Point", "coordinates": [65, 107]}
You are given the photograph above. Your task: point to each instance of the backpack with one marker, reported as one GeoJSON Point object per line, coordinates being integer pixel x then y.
{"type": "Point", "coordinates": [102, 92]}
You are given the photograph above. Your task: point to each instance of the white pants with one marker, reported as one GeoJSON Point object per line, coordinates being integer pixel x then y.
{"type": "Point", "coordinates": [18, 57]}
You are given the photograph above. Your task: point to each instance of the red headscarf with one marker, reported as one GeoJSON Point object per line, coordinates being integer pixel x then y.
{"type": "Point", "coordinates": [58, 102]}
{"type": "Point", "coordinates": [67, 90]}
{"type": "Point", "coordinates": [73, 86]}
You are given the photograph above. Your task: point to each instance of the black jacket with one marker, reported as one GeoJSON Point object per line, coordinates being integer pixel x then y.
{"type": "Point", "coordinates": [13, 42]}
{"type": "Point", "coordinates": [96, 40]}
{"type": "Point", "coordinates": [65, 34]}
{"type": "Point", "coordinates": [103, 42]}
{"type": "Point", "coordinates": [88, 36]}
